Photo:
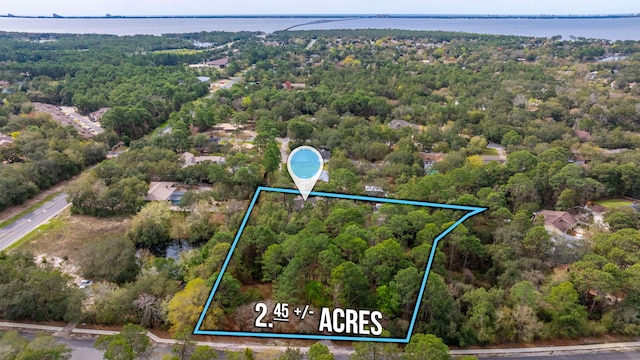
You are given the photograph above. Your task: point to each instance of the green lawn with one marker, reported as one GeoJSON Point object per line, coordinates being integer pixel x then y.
{"type": "Point", "coordinates": [613, 203]}
{"type": "Point", "coordinates": [178, 51]}
{"type": "Point", "coordinates": [52, 224]}
{"type": "Point", "coordinates": [488, 151]}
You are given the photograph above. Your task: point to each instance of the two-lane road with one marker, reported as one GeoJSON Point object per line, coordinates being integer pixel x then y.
{"type": "Point", "coordinates": [32, 220]}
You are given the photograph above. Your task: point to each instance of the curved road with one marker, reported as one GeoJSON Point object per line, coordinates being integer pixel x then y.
{"type": "Point", "coordinates": [16, 231]}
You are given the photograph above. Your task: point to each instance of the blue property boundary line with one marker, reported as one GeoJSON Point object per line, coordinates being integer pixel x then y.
{"type": "Point", "coordinates": [472, 210]}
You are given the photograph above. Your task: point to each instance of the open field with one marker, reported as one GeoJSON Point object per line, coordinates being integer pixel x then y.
{"type": "Point", "coordinates": [613, 203]}
{"type": "Point", "coordinates": [66, 235]}
{"type": "Point", "coordinates": [179, 51]}
{"type": "Point", "coordinates": [490, 151]}
{"type": "Point", "coordinates": [44, 228]}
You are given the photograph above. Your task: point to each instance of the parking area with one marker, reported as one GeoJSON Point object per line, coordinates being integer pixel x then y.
{"type": "Point", "coordinates": [68, 116]}
{"type": "Point", "coordinates": [84, 122]}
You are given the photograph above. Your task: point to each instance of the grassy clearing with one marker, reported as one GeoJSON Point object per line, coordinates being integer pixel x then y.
{"type": "Point", "coordinates": [613, 203]}
{"type": "Point", "coordinates": [27, 210]}
{"type": "Point", "coordinates": [488, 151]}
{"type": "Point", "coordinates": [66, 234]}
{"type": "Point", "coordinates": [41, 230]}
{"type": "Point", "coordinates": [179, 51]}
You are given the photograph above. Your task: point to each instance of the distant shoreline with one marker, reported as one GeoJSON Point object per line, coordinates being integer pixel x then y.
{"type": "Point", "coordinates": [394, 16]}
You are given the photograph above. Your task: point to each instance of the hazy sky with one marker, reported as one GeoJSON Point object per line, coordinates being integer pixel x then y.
{"type": "Point", "coordinates": [219, 7]}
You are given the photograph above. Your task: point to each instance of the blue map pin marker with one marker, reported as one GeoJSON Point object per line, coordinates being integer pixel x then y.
{"type": "Point", "coordinates": [305, 167]}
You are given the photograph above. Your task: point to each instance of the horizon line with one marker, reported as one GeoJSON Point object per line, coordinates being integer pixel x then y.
{"type": "Point", "coordinates": [336, 15]}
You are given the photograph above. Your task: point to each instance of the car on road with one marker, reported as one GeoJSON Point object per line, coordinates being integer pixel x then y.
{"type": "Point", "coordinates": [85, 283]}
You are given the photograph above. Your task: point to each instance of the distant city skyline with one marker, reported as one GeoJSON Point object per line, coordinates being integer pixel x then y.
{"type": "Point", "coordinates": [325, 7]}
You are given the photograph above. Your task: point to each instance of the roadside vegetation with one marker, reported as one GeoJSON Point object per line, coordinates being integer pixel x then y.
{"type": "Point", "coordinates": [15, 347]}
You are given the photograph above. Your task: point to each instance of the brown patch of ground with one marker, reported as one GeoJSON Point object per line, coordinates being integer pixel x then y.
{"type": "Point", "coordinates": [560, 273]}
{"type": "Point", "coordinates": [113, 328]}
{"type": "Point", "coordinates": [265, 290]}
{"type": "Point", "coordinates": [67, 239]}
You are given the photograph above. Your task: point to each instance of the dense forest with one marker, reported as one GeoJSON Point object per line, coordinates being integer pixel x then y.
{"type": "Point", "coordinates": [519, 125]}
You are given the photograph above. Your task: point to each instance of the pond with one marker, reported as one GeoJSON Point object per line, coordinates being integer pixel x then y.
{"type": "Point", "coordinates": [176, 247]}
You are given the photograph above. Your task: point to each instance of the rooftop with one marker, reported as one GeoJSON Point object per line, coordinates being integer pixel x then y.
{"type": "Point", "coordinates": [399, 124]}
{"type": "Point", "coordinates": [191, 159]}
{"type": "Point", "coordinates": [160, 191]}
{"type": "Point", "coordinates": [562, 220]}
{"type": "Point", "coordinates": [5, 140]}
{"type": "Point", "coordinates": [431, 156]}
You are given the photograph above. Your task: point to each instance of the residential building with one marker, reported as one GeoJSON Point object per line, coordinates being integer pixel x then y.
{"type": "Point", "coordinates": [582, 135]}
{"type": "Point", "coordinates": [219, 64]}
{"type": "Point", "coordinates": [191, 159]}
{"type": "Point", "coordinates": [326, 154]}
{"type": "Point", "coordinates": [372, 190]}
{"type": "Point", "coordinates": [291, 86]}
{"type": "Point", "coordinates": [227, 127]}
{"type": "Point", "coordinates": [430, 158]}
{"type": "Point", "coordinates": [399, 124]}
{"type": "Point", "coordinates": [5, 140]}
{"type": "Point", "coordinates": [558, 222]}
{"type": "Point", "coordinates": [160, 191]}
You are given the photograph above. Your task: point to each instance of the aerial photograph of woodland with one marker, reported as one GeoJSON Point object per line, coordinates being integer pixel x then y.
{"type": "Point", "coordinates": [154, 147]}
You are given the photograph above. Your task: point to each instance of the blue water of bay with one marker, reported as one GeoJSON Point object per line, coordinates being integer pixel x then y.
{"type": "Point", "coordinates": [599, 28]}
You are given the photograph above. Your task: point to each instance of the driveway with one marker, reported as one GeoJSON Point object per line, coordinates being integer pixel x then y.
{"type": "Point", "coordinates": [502, 153]}
{"type": "Point", "coordinates": [284, 148]}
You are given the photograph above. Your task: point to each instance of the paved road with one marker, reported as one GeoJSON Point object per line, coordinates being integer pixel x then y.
{"type": "Point", "coordinates": [603, 356]}
{"type": "Point", "coordinates": [237, 79]}
{"type": "Point", "coordinates": [234, 80]}
{"type": "Point", "coordinates": [501, 151]}
{"type": "Point", "coordinates": [32, 220]}
{"type": "Point", "coordinates": [311, 43]}
{"type": "Point", "coordinates": [82, 348]}
{"type": "Point", "coordinates": [83, 120]}
{"type": "Point", "coordinates": [608, 351]}
{"type": "Point", "coordinates": [545, 351]}
{"type": "Point", "coordinates": [284, 148]}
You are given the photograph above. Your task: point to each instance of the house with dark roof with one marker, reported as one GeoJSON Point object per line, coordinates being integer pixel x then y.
{"type": "Point", "coordinates": [219, 63]}
{"type": "Point", "coordinates": [558, 222]}
{"type": "Point", "coordinates": [299, 202]}
{"type": "Point", "coordinates": [326, 154]}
